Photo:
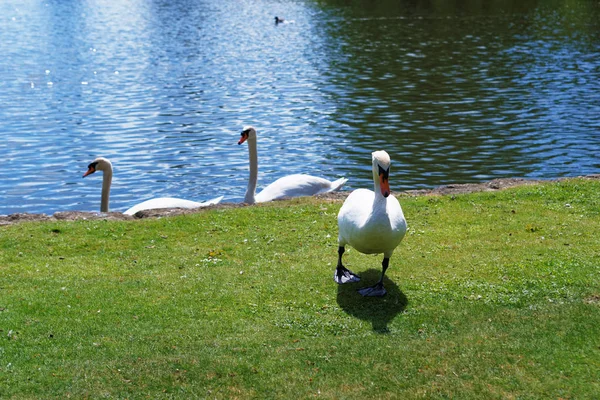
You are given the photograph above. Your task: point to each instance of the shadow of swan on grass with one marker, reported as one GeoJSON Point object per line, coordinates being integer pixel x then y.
{"type": "Point", "coordinates": [378, 310]}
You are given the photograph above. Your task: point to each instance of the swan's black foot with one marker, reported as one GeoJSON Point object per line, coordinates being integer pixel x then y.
{"type": "Point", "coordinates": [344, 275]}
{"type": "Point", "coordinates": [373, 291]}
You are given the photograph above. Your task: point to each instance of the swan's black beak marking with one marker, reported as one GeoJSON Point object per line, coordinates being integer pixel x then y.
{"type": "Point", "coordinates": [91, 169]}
{"type": "Point", "coordinates": [384, 176]}
{"type": "Point", "coordinates": [385, 173]}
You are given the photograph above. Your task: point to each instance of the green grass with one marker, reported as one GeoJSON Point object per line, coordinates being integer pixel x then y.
{"type": "Point", "coordinates": [490, 295]}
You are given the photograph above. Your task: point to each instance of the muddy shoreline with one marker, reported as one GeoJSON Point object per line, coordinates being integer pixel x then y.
{"type": "Point", "coordinates": [493, 185]}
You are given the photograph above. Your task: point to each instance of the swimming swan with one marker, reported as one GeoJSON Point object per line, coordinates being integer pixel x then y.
{"type": "Point", "coordinates": [372, 223]}
{"type": "Point", "coordinates": [289, 186]}
{"type": "Point", "coordinates": [104, 165]}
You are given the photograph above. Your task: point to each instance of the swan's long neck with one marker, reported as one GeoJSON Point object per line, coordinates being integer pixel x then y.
{"type": "Point", "coordinates": [253, 157]}
{"type": "Point", "coordinates": [377, 185]}
{"type": "Point", "coordinates": [106, 181]}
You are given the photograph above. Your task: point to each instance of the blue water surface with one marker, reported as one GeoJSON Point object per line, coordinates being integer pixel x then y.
{"type": "Point", "coordinates": [455, 93]}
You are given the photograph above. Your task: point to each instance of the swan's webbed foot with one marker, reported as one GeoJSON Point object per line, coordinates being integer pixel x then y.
{"type": "Point", "coordinates": [376, 290]}
{"type": "Point", "coordinates": [344, 275]}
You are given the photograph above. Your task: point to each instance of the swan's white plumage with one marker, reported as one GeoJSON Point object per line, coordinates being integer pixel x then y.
{"type": "Point", "coordinates": [170, 202]}
{"type": "Point", "coordinates": [296, 185]}
{"type": "Point", "coordinates": [104, 165]}
{"type": "Point", "coordinates": [372, 222]}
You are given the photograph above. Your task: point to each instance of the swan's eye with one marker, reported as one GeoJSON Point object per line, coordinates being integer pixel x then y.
{"type": "Point", "coordinates": [93, 166]}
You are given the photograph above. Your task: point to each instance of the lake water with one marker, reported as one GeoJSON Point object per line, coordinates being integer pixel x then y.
{"type": "Point", "coordinates": [460, 92]}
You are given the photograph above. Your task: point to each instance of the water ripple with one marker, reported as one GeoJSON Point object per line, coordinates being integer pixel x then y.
{"type": "Point", "coordinates": [164, 88]}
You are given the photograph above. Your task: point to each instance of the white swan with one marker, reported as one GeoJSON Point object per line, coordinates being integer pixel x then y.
{"type": "Point", "coordinates": [289, 186]}
{"type": "Point", "coordinates": [104, 165]}
{"type": "Point", "coordinates": [372, 223]}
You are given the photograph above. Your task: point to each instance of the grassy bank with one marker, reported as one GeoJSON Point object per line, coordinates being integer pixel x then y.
{"type": "Point", "coordinates": [491, 295]}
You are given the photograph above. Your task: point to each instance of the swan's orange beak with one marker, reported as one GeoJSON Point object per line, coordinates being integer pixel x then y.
{"type": "Point", "coordinates": [384, 184]}
{"type": "Point", "coordinates": [90, 170]}
{"type": "Point", "coordinates": [243, 138]}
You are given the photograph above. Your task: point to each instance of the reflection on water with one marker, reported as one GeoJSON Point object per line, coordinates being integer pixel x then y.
{"type": "Point", "coordinates": [456, 92]}
{"type": "Point", "coordinates": [463, 95]}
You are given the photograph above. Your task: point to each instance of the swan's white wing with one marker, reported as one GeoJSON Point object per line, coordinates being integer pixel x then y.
{"type": "Point", "coordinates": [337, 184]}
{"type": "Point", "coordinates": [296, 186]}
{"type": "Point", "coordinates": [170, 202]}
{"type": "Point", "coordinates": [353, 215]}
{"type": "Point", "coordinates": [211, 202]}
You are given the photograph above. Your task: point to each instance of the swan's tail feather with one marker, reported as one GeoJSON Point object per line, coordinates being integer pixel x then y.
{"type": "Point", "coordinates": [211, 202]}
{"type": "Point", "coordinates": [337, 184]}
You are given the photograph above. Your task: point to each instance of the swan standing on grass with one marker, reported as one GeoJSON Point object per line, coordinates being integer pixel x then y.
{"type": "Point", "coordinates": [104, 165]}
{"type": "Point", "coordinates": [289, 186]}
{"type": "Point", "coordinates": [372, 223]}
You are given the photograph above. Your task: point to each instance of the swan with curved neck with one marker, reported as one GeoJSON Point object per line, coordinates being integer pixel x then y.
{"type": "Point", "coordinates": [288, 186]}
{"type": "Point", "coordinates": [372, 222]}
{"type": "Point", "coordinates": [104, 165]}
